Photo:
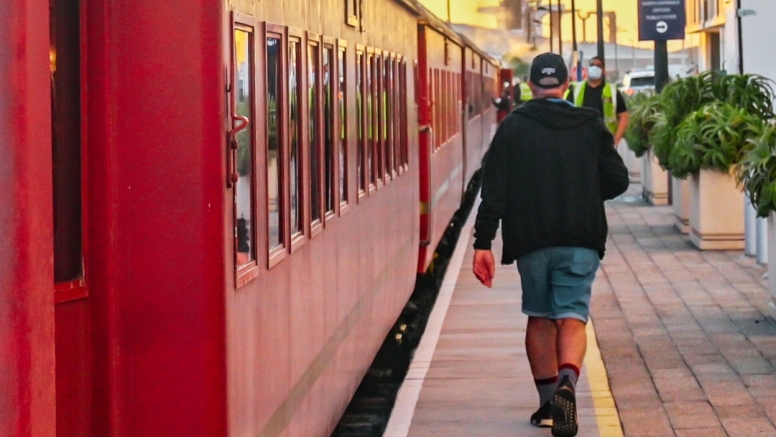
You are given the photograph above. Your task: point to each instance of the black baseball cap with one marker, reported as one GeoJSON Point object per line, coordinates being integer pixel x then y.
{"type": "Point", "coordinates": [548, 70]}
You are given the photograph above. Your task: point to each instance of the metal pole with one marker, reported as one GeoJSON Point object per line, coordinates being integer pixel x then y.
{"type": "Point", "coordinates": [600, 23]}
{"type": "Point", "coordinates": [661, 65]}
{"type": "Point", "coordinates": [552, 41]}
{"type": "Point", "coordinates": [560, 30]}
{"type": "Point", "coordinates": [740, 40]}
{"type": "Point", "coordinates": [574, 47]}
{"type": "Point", "coordinates": [449, 16]}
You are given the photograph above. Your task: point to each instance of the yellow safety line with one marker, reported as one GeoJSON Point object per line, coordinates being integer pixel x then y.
{"type": "Point", "coordinates": [606, 414]}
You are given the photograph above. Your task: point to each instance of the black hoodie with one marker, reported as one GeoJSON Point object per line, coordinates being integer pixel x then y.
{"type": "Point", "coordinates": [549, 169]}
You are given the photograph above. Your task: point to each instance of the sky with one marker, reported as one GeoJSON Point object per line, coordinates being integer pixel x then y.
{"type": "Point", "coordinates": [465, 11]}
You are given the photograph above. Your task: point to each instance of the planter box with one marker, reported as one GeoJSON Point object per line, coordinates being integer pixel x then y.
{"type": "Point", "coordinates": [772, 266]}
{"type": "Point", "coordinates": [716, 211]}
{"type": "Point", "coordinates": [629, 158]}
{"type": "Point", "coordinates": [680, 197]}
{"type": "Point", "coordinates": [655, 185]}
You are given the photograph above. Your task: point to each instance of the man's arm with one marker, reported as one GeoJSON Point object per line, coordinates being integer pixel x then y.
{"type": "Point", "coordinates": [622, 126]}
{"type": "Point", "coordinates": [622, 119]}
{"type": "Point", "coordinates": [614, 173]}
{"type": "Point", "coordinates": [494, 189]}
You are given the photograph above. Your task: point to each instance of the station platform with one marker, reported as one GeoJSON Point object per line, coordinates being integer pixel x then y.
{"type": "Point", "coordinates": [686, 337]}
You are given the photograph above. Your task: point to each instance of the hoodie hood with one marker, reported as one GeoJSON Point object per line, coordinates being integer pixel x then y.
{"type": "Point", "coordinates": [555, 114]}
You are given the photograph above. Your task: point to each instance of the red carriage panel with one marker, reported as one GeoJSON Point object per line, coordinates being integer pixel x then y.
{"type": "Point", "coordinates": [440, 54]}
{"type": "Point", "coordinates": [27, 379]}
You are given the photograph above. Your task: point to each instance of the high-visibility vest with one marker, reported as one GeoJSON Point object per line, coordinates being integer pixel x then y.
{"type": "Point", "coordinates": [525, 92]}
{"type": "Point", "coordinates": [609, 96]}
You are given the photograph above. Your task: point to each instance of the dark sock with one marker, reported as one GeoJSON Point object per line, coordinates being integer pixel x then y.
{"type": "Point", "coordinates": [546, 388]}
{"type": "Point", "coordinates": [571, 371]}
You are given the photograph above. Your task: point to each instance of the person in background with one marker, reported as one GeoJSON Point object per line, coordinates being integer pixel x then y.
{"type": "Point", "coordinates": [550, 168]}
{"type": "Point", "coordinates": [504, 103]}
{"type": "Point", "coordinates": [525, 92]}
{"type": "Point", "coordinates": [596, 93]}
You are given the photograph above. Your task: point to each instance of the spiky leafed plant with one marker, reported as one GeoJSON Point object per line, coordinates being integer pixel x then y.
{"type": "Point", "coordinates": [757, 171]}
{"type": "Point", "coordinates": [714, 137]}
{"type": "Point", "coordinates": [677, 100]}
{"type": "Point", "coordinates": [751, 92]}
{"type": "Point", "coordinates": [643, 108]}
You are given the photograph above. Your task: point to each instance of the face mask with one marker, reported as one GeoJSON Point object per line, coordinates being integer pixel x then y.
{"type": "Point", "coordinates": [595, 72]}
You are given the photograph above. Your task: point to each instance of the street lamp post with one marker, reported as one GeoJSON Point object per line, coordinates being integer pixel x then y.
{"type": "Point", "coordinates": [600, 25]}
{"type": "Point", "coordinates": [560, 30]}
{"type": "Point", "coordinates": [574, 47]}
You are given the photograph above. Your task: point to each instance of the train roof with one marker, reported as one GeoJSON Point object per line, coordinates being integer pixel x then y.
{"type": "Point", "coordinates": [483, 54]}
{"type": "Point", "coordinates": [427, 18]}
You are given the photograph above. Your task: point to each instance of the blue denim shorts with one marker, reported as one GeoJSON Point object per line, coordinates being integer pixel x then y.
{"type": "Point", "coordinates": [557, 282]}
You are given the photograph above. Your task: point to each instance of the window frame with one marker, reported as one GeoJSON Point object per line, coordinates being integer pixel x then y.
{"type": "Point", "coordinates": [316, 226]}
{"type": "Point", "coordinates": [404, 99]}
{"type": "Point", "coordinates": [377, 119]}
{"type": "Point", "coordinates": [370, 133]}
{"type": "Point", "coordinates": [279, 253]}
{"type": "Point", "coordinates": [297, 239]}
{"type": "Point", "coordinates": [362, 186]}
{"type": "Point", "coordinates": [341, 113]}
{"type": "Point", "coordinates": [330, 168]}
{"type": "Point", "coordinates": [75, 289]}
{"type": "Point", "coordinates": [354, 13]}
{"type": "Point", "coordinates": [245, 273]}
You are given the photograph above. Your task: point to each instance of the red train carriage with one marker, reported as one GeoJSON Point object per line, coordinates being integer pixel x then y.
{"type": "Point", "coordinates": [490, 72]}
{"type": "Point", "coordinates": [212, 212]}
{"type": "Point", "coordinates": [440, 103]}
{"type": "Point", "coordinates": [332, 140]}
{"type": "Point", "coordinates": [479, 114]}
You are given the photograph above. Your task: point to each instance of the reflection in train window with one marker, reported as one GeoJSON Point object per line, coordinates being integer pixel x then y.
{"type": "Point", "coordinates": [65, 77]}
{"type": "Point", "coordinates": [329, 129]}
{"type": "Point", "coordinates": [343, 142]}
{"type": "Point", "coordinates": [361, 116]}
{"type": "Point", "coordinates": [370, 120]}
{"type": "Point", "coordinates": [294, 126]}
{"type": "Point", "coordinates": [244, 222]}
{"type": "Point", "coordinates": [313, 126]}
{"type": "Point", "coordinates": [379, 164]}
{"type": "Point", "coordinates": [274, 151]}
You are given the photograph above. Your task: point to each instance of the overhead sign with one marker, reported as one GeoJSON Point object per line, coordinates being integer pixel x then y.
{"type": "Point", "coordinates": [661, 20]}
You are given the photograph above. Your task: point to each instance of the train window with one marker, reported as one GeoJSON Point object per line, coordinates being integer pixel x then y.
{"type": "Point", "coordinates": [65, 75]}
{"type": "Point", "coordinates": [391, 113]}
{"type": "Point", "coordinates": [343, 128]}
{"type": "Point", "coordinates": [370, 119]}
{"type": "Point", "coordinates": [314, 130]}
{"type": "Point", "coordinates": [361, 119]}
{"type": "Point", "coordinates": [295, 138]}
{"type": "Point", "coordinates": [275, 158]}
{"type": "Point", "coordinates": [379, 100]}
{"type": "Point", "coordinates": [404, 119]}
{"type": "Point", "coordinates": [244, 187]}
{"type": "Point", "coordinates": [329, 170]}
{"type": "Point", "coordinates": [353, 13]}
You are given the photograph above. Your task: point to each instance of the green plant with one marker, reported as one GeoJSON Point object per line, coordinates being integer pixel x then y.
{"type": "Point", "coordinates": [750, 92]}
{"type": "Point", "coordinates": [714, 137]}
{"type": "Point", "coordinates": [643, 110]}
{"type": "Point", "coordinates": [677, 100]}
{"type": "Point", "coordinates": [757, 172]}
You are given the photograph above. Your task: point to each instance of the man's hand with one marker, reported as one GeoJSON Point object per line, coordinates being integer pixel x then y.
{"type": "Point", "coordinates": [484, 267]}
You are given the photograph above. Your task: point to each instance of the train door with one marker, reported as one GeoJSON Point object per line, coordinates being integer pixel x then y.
{"type": "Point", "coordinates": [425, 140]}
{"type": "Point", "coordinates": [71, 296]}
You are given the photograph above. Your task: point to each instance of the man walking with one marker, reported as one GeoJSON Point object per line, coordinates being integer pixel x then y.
{"type": "Point", "coordinates": [596, 93]}
{"type": "Point", "coordinates": [549, 169]}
